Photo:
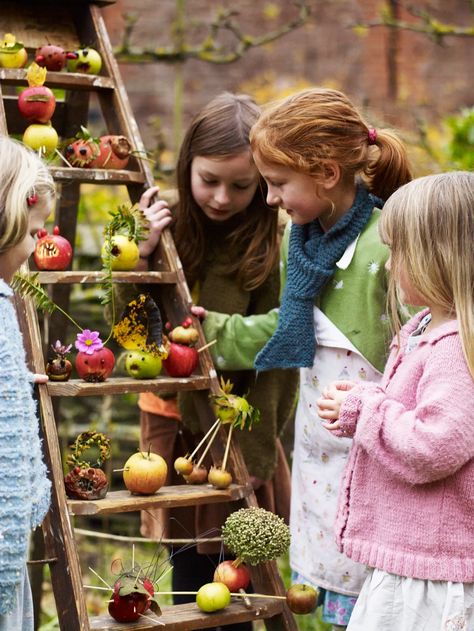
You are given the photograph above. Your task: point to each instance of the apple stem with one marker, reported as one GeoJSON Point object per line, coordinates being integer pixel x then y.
{"type": "Point", "coordinates": [226, 453]}
{"type": "Point", "coordinates": [211, 440]}
{"type": "Point", "coordinates": [203, 440]}
{"type": "Point", "coordinates": [199, 350]}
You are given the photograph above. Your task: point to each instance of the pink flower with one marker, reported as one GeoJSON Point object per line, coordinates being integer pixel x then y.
{"type": "Point", "coordinates": [88, 342]}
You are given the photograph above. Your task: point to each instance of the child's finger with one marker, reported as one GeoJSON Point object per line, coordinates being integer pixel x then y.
{"type": "Point", "coordinates": [38, 378]}
{"type": "Point", "coordinates": [147, 196]}
{"type": "Point", "coordinates": [328, 414]}
{"type": "Point", "coordinates": [198, 311]}
{"type": "Point", "coordinates": [332, 426]}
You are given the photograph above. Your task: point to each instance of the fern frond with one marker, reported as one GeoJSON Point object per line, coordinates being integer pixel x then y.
{"type": "Point", "coordinates": [28, 285]}
{"type": "Point", "coordinates": [130, 220]}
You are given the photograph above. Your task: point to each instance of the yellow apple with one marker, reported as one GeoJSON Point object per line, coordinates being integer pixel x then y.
{"type": "Point", "coordinates": [41, 137]}
{"type": "Point", "coordinates": [124, 253]}
{"type": "Point", "coordinates": [144, 473]}
{"type": "Point", "coordinates": [12, 53]}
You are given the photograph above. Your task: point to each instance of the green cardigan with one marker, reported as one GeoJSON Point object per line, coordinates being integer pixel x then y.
{"type": "Point", "coordinates": [354, 300]}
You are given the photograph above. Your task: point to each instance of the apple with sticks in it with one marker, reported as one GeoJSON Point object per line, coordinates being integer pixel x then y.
{"type": "Point", "coordinates": [213, 597]}
{"type": "Point", "coordinates": [236, 576]}
{"type": "Point", "coordinates": [144, 473]}
{"type": "Point", "coordinates": [131, 597]}
{"type": "Point", "coordinates": [183, 465]}
{"type": "Point", "coordinates": [219, 478]}
{"type": "Point", "coordinates": [301, 598]}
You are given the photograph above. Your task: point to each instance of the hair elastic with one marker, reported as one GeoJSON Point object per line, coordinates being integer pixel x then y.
{"type": "Point", "coordinates": [32, 199]}
{"type": "Point", "coordinates": [372, 134]}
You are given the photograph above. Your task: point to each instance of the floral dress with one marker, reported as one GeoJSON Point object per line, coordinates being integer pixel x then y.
{"type": "Point", "coordinates": [318, 463]}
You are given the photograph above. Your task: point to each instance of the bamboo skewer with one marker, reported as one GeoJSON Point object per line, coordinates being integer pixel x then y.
{"type": "Point", "coordinates": [208, 446]}
{"type": "Point", "coordinates": [203, 440]}
{"type": "Point", "coordinates": [272, 596]}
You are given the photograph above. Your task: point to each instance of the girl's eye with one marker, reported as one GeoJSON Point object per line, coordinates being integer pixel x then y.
{"type": "Point", "coordinates": [241, 187]}
{"type": "Point", "coordinates": [209, 182]}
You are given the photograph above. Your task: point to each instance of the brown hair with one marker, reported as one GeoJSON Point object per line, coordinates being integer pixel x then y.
{"type": "Point", "coordinates": [314, 126]}
{"type": "Point", "coordinates": [429, 225]}
{"type": "Point", "coordinates": [222, 128]}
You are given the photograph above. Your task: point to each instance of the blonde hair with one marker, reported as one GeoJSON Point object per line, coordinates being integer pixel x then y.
{"type": "Point", "coordinates": [307, 130]}
{"type": "Point", "coordinates": [429, 226]}
{"type": "Point", "coordinates": [22, 174]}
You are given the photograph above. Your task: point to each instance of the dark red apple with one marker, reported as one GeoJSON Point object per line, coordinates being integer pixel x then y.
{"type": "Point", "coordinates": [52, 57]}
{"type": "Point", "coordinates": [95, 367]}
{"type": "Point", "coordinates": [130, 598]}
{"type": "Point", "coordinates": [52, 252]}
{"type": "Point", "coordinates": [181, 361]}
{"type": "Point", "coordinates": [58, 369]}
{"type": "Point", "coordinates": [37, 104]}
{"type": "Point", "coordinates": [235, 577]}
{"type": "Point", "coordinates": [301, 598]}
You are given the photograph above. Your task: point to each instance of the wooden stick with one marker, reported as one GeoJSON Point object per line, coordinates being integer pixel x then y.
{"type": "Point", "coordinates": [217, 421]}
{"type": "Point", "coordinates": [199, 350]}
{"type": "Point", "coordinates": [105, 589]}
{"type": "Point", "coordinates": [208, 446]}
{"type": "Point", "coordinates": [226, 454]}
{"type": "Point", "coordinates": [100, 578]}
{"type": "Point", "coordinates": [158, 593]}
{"type": "Point", "coordinates": [155, 620]}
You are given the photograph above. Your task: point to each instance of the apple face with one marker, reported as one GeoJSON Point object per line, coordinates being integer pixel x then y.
{"type": "Point", "coordinates": [86, 60]}
{"type": "Point", "coordinates": [233, 577]}
{"type": "Point", "coordinates": [181, 361]}
{"type": "Point", "coordinates": [124, 251]}
{"type": "Point", "coordinates": [37, 104]}
{"type": "Point", "coordinates": [12, 53]}
{"type": "Point", "coordinates": [52, 251]}
{"type": "Point", "coordinates": [140, 365]}
{"type": "Point", "coordinates": [97, 367]}
{"type": "Point", "coordinates": [213, 597]}
{"type": "Point", "coordinates": [51, 57]}
{"type": "Point", "coordinates": [301, 598]}
{"type": "Point", "coordinates": [144, 473]}
{"type": "Point", "coordinates": [42, 137]}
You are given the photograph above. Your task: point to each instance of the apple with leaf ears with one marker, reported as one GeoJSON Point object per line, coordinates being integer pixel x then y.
{"type": "Point", "coordinates": [37, 102]}
{"type": "Point", "coordinates": [52, 251]}
{"type": "Point", "coordinates": [120, 249]}
{"type": "Point", "coordinates": [12, 53]}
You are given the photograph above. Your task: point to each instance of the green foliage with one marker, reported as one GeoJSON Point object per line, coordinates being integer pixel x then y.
{"type": "Point", "coordinates": [28, 285]}
{"type": "Point", "coordinates": [461, 145]}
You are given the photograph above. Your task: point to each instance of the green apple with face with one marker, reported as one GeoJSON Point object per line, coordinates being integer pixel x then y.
{"type": "Point", "coordinates": [141, 365]}
{"type": "Point", "coordinates": [85, 60]}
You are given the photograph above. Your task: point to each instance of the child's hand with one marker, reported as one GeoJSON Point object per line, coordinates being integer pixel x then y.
{"type": "Point", "coordinates": [159, 216]}
{"type": "Point", "coordinates": [199, 312]}
{"type": "Point", "coordinates": [329, 404]}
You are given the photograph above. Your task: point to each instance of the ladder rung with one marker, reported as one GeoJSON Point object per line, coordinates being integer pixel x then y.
{"type": "Point", "coordinates": [166, 497]}
{"type": "Point", "coordinates": [69, 277]}
{"type": "Point", "coordinates": [96, 176]}
{"type": "Point", "coordinates": [66, 80]}
{"type": "Point", "coordinates": [124, 385]}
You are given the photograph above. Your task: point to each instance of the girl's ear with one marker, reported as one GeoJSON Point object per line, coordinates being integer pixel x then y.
{"type": "Point", "coordinates": [331, 175]}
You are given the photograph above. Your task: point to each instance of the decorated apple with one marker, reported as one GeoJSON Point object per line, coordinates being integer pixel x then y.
{"type": "Point", "coordinates": [301, 598]}
{"type": "Point", "coordinates": [52, 57]}
{"type": "Point", "coordinates": [52, 252]}
{"type": "Point", "coordinates": [182, 360]}
{"type": "Point", "coordinates": [219, 478]}
{"type": "Point", "coordinates": [213, 597]}
{"type": "Point", "coordinates": [37, 104]}
{"type": "Point", "coordinates": [124, 253]}
{"type": "Point", "coordinates": [85, 60]}
{"type": "Point", "coordinates": [197, 476]}
{"type": "Point", "coordinates": [59, 368]}
{"type": "Point", "coordinates": [141, 365]}
{"type": "Point", "coordinates": [94, 362]}
{"type": "Point", "coordinates": [41, 137]}
{"type": "Point", "coordinates": [183, 466]}
{"type": "Point", "coordinates": [114, 153]}
{"type": "Point", "coordinates": [234, 575]}
{"type": "Point", "coordinates": [144, 473]}
{"type": "Point", "coordinates": [12, 53]}
{"type": "Point", "coordinates": [131, 597]}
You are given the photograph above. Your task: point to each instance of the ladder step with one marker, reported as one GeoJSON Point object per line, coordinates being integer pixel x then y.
{"type": "Point", "coordinates": [124, 385]}
{"type": "Point", "coordinates": [65, 80]}
{"type": "Point", "coordinates": [189, 616]}
{"type": "Point", "coordinates": [69, 277]}
{"type": "Point", "coordinates": [96, 176]}
{"type": "Point", "coordinates": [166, 497]}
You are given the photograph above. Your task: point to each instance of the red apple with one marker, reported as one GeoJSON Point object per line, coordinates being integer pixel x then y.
{"type": "Point", "coordinates": [95, 367]}
{"type": "Point", "coordinates": [197, 476]}
{"type": "Point", "coordinates": [181, 361]}
{"type": "Point", "coordinates": [301, 598]}
{"type": "Point", "coordinates": [234, 577]}
{"type": "Point", "coordinates": [52, 57]}
{"type": "Point", "coordinates": [144, 473]}
{"type": "Point", "coordinates": [52, 252]}
{"type": "Point", "coordinates": [130, 598]}
{"type": "Point", "coordinates": [213, 597]}
{"type": "Point", "coordinates": [37, 104]}
{"type": "Point", "coordinates": [114, 153]}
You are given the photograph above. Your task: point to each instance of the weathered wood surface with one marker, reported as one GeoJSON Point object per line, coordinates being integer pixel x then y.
{"type": "Point", "coordinates": [166, 497]}
{"type": "Point", "coordinates": [96, 176]}
{"type": "Point", "coordinates": [65, 80]}
{"type": "Point", "coordinates": [123, 385]}
{"type": "Point", "coordinates": [188, 617]}
{"type": "Point", "coordinates": [83, 277]}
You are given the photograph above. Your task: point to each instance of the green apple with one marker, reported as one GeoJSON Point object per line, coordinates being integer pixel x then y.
{"type": "Point", "coordinates": [141, 365]}
{"type": "Point", "coordinates": [124, 253]}
{"type": "Point", "coordinates": [86, 60]}
{"type": "Point", "coordinates": [213, 597]}
{"type": "Point", "coordinates": [12, 53]}
{"type": "Point", "coordinates": [42, 137]}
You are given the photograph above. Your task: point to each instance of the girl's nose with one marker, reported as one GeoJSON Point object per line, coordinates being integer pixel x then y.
{"type": "Point", "coordinates": [222, 196]}
{"type": "Point", "coordinates": [272, 198]}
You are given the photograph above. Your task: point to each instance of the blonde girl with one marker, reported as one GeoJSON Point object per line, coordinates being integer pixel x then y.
{"type": "Point", "coordinates": [26, 195]}
{"type": "Point", "coordinates": [330, 170]}
{"type": "Point", "coordinates": [406, 505]}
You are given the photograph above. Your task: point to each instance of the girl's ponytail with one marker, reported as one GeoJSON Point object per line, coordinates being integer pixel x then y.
{"type": "Point", "coordinates": [389, 168]}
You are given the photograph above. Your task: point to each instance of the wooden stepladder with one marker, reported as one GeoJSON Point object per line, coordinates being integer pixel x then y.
{"type": "Point", "coordinates": [73, 25]}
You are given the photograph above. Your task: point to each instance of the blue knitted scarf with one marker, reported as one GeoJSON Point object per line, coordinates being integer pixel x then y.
{"type": "Point", "coordinates": [312, 258]}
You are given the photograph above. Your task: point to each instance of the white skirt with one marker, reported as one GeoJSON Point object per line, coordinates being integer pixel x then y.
{"type": "Point", "coordinates": [395, 603]}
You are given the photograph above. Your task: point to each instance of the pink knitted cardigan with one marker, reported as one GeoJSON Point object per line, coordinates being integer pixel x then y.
{"type": "Point", "coordinates": [406, 503]}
